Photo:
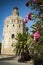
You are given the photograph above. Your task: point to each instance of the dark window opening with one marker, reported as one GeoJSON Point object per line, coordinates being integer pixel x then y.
{"type": "Point", "coordinates": [19, 26]}
{"type": "Point", "coordinates": [12, 35]}
{"type": "Point", "coordinates": [3, 37]}
{"type": "Point", "coordinates": [13, 25]}
{"type": "Point", "coordinates": [7, 25]}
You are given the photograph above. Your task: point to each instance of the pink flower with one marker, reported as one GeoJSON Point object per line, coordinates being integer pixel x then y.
{"type": "Point", "coordinates": [36, 35]}
{"type": "Point", "coordinates": [34, 1]}
{"type": "Point", "coordinates": [29, 16]}
{"type": "Point", "coordinates": [25, 20]}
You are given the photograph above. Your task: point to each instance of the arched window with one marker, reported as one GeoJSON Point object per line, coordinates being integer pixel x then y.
{"type": "Point", "coordinates": [12, 35]}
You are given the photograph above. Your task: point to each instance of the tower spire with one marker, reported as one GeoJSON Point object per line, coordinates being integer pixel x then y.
{"type": "Point", "coordinates": [15, 11]}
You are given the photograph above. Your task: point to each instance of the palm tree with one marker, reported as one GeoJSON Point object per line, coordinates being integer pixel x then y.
{"type": "Point", "coordinates": [22, 45]}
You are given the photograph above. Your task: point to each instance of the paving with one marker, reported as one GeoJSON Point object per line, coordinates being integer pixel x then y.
{"type": "Point", "coordinates": [6, 57]}
{"type": "Point", "coordinates": [10, 60]}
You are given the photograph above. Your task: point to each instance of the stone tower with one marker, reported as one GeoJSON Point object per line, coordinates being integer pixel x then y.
{"type": "Point", "coordinates": [12, 25]}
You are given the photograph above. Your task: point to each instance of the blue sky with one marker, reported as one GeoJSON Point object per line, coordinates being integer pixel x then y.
{"type": "Point", "coordinates": [6, 7]}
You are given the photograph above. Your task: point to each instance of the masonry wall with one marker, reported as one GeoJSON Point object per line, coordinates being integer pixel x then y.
{"type": "Point", "coordinates": [12, 26]}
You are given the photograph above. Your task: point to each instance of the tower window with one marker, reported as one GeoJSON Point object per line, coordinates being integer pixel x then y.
{"type": "Point", "coordinates": [12, 35]}
{"type": "Point", "coordinates": [7, 25]}
{"type": "Point", "coordinates": [19, 26]}
{"type": "Point", "coordinates": [13, 25]}
{"type": "Point", "coordinates": [3, 37]}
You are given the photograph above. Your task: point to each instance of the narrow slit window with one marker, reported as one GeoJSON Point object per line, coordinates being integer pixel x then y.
{"type": "Point", "coordinates": [12, 35]}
